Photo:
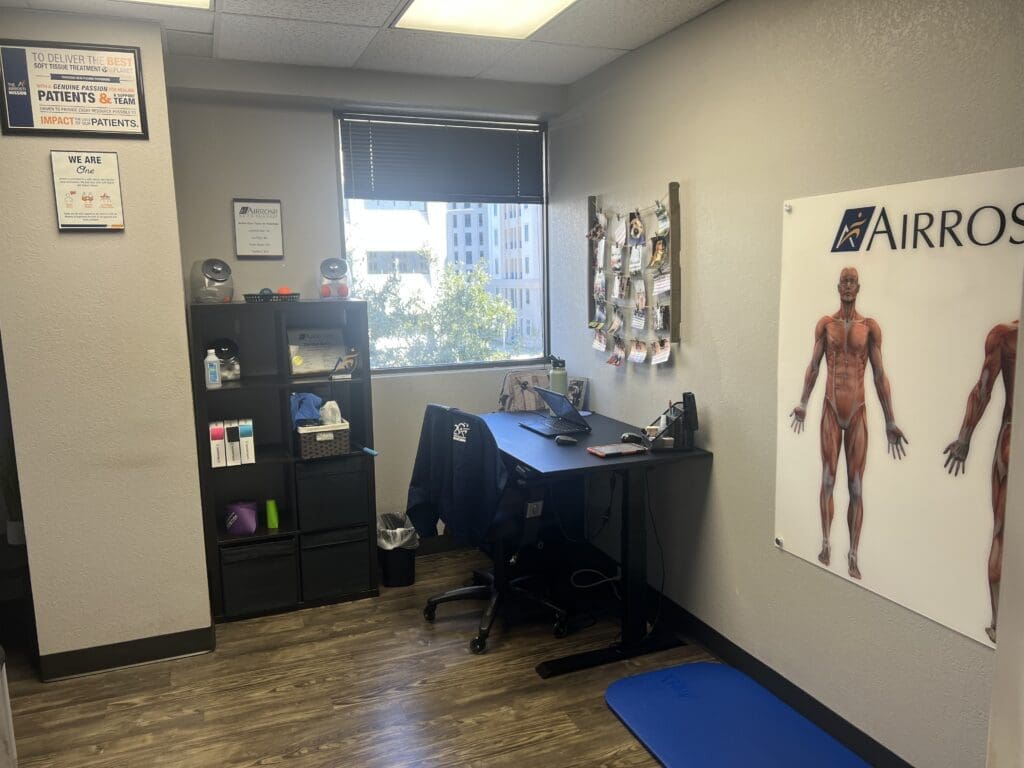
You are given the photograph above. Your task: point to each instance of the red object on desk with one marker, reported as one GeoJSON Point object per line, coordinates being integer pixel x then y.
{"type": "Point", "coordinates": [616, 449]}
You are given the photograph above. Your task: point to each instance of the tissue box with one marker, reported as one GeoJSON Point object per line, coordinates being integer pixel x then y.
{"type": "Point", "coordinates": [324, 441]}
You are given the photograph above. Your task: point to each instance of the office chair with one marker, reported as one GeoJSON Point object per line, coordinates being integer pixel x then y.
{"type": "Point", "coordinates": [461, 478]}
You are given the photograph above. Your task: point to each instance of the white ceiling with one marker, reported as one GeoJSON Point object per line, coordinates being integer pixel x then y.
{"type": "Point", "coordinates": [356, 33]}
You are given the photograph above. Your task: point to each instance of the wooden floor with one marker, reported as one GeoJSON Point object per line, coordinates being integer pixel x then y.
{"type": "Point", "coordinates": [368, 683]}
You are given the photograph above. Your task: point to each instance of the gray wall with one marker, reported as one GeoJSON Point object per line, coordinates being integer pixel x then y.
{"type": "Point", "coordinates": [228, 147]}
{"type": "Point", "coordinates": [748, 105]}
{"type": "Point", "coordinates": [93, 329]}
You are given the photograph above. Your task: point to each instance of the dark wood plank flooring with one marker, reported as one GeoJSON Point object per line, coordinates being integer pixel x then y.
{"type": "Point", "coordinates": [368, 683]}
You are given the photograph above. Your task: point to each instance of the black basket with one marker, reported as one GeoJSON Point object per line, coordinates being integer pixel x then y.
{"type": "Point", "coordinates": [266, 298]}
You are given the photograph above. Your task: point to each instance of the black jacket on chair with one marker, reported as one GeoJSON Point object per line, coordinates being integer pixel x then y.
{"type": "Point", "coordinates": [459, 476]}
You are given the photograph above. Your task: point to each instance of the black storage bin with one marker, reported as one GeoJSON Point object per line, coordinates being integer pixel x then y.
{"type": "Point", "coordinates": [333, 494]}
{"type": "Point", "coordinates": [259, 577]}
{"type": "Point", "coordinates": [335, 563]}
{"type": "Point", "coordinates": [397, 566]}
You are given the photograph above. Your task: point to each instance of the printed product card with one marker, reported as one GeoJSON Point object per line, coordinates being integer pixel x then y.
{"type": "Point", "coordinates": [618, 353]}
{"type": "Point", "coordinates": [639, 319]}
{"type": "Point", "coordinates": [640, 293]}
{"type": "Point", "coordinates": [661, 213]}
{"type": "Point", "coordinates": [637, 351]}
{"type": "Point", "coordinates": [663, 284]}
{"type": "Point", "coordinates": [617, 322]}
{"type": "Point", "coordinates": [600, 342]}
{"type": "Point", "coordinates": [660, 352]}
{"type": "Point", "coordinates": [636, 258]}
{"type": "Point", "coordinates": [659, 254]}
{"type": "Point", "coordinates": [600, 286]}
{"type": "Point", "coordinates": [661, 317]}
{"type": "Point", "coordinates": [635, 231]}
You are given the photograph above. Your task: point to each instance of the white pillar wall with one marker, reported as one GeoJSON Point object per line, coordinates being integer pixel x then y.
{"type": "Point", "coordinates": [94, 338]}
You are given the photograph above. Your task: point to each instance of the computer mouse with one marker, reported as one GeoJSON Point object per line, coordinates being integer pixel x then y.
{"type": "Point", "coordinates": [565, 440]}
{"type": "Point", "coordinates": [632, 437]}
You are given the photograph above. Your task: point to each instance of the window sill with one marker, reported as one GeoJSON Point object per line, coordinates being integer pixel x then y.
{"type": "Point", "coordinates": [510, 365]}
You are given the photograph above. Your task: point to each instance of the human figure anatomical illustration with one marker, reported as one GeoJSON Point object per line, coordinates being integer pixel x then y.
{"type": "Point", "coordinates": [847, 341]}
{"type": "Point", "coordinates": [1000, 359]}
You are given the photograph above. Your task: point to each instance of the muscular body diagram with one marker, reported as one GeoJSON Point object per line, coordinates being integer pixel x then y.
{"type": "Point", "coordinates": [847, 342]}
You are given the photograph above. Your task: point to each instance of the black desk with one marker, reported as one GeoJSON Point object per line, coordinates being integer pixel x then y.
{"type": "Point", "coordinates": [550, 460]}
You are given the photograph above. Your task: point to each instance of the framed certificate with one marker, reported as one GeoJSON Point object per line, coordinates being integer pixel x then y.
{"type": "Point", "coordinates": [258, 231]}
{"type": "Point", "coordinates": [72, 89]}
{"type": "Point", "coordinates": [87, 190]}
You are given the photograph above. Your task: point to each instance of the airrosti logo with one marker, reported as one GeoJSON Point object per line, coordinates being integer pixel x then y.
{"type": "Point", "coordinates": [265, 212]}
{"type": "Point", "coordinates": [19, 88]}
{"type": "Point", "coordinates": [851, 229]}
{"type": "Point", "coordinates": [984, 226]}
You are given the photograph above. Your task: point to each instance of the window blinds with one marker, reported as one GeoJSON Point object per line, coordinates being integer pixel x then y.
{"type": "Point", "coordinates": [394, 158]}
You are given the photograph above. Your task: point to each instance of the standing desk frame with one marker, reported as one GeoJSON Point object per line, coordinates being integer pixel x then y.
{"type": "Point", "coordinates": [552, 461]}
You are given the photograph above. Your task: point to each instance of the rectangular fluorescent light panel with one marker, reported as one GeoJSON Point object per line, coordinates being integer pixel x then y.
{"type": "Point", "coordinates": [514, 19]}
{"type": "Point", "coordinates": [202, 5]}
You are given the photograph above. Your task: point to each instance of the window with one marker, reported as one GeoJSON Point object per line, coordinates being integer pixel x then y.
{"type": "Point", "coordinates": [405, 256]}
{"type": "Point", "coordinates": [526, 268]}
{"type": "Point", "coordinates": [526, 232]}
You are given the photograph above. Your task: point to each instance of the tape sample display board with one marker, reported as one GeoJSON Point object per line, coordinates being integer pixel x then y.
{"type": "Point", "coordinates": [897, 342]}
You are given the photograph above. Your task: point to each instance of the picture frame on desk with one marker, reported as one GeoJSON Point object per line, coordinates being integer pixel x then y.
{"type": "Point", "coordinates": [577, 392]}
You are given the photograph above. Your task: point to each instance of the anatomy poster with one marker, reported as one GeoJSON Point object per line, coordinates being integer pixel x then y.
{"type": "Point", "coordinates": [898, 334]}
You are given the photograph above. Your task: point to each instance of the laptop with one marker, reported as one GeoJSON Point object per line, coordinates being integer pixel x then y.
{"type": "Point", "coordinates": [565, 421]}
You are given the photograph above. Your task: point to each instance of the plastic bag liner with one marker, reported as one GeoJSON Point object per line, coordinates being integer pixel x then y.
{"type": "Point", "coordinates": [395, 530]}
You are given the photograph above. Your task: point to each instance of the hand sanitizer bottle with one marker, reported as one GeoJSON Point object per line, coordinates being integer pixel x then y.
{"type": "Point", "coordinates": [212, 367]}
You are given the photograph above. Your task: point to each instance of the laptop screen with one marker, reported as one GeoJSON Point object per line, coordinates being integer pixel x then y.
{"type": "Point", "coordinates": [560, 405]}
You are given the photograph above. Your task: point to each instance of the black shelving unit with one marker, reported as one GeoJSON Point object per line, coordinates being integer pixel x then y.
{"type": "Point", "coordinates": [323, 550]}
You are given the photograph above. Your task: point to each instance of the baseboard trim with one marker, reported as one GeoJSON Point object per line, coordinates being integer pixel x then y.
{"type": "Point", "coordinates": [55, 666]}
{"type": "Point", "coordinates": [681, 620]}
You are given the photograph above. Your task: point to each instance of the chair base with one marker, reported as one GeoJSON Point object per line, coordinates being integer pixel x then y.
{"type": "Point", "coordinates": [496, 595]}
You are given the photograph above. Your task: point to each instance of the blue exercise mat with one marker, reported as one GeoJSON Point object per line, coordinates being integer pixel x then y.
{"type": "Point", "coordinates": [706, 715]}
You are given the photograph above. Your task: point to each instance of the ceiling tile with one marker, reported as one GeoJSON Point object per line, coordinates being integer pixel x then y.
{"type": "Point", "coordinates": [185, 19]}
{"type": "Point", "coordinates": [282, 41]}
{"type": "Point", "coordinates": [619, 23]}
{"type": "Point", "coordinates": [189, 43]}
{"type": "Point", "coordinates": [370, 13]}
{"type": "Point", "coordinates": [548, 63]}
{"type": "Point", "coordinates": [432, 53]}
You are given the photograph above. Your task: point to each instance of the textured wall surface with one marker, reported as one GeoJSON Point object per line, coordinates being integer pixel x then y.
{"type": "Point", "coordinates": [749, 105]}
{"type": "Point", "coordinates": [224, 150]}
{"type": "Point", "coordinates": [94, 339]}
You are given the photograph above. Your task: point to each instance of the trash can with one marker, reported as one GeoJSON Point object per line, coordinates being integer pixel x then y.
{"type": "Point", "coordinates": [8, 757]}
{"type": "Point", "coordinates": [396, 549]}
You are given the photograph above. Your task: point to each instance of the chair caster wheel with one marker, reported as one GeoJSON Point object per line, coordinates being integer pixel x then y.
{"type": "Point", "coordinates": [478, 645]}
{"type": "Point", "coordinates": [561, 629]}
{"type": "Point", "coordinates": [430, 613]}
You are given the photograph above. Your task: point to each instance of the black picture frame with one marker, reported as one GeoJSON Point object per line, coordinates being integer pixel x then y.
{"type": "Point", "coordinates": [134, 51]}
{"type": "Point", "coordinates": [234, 229]}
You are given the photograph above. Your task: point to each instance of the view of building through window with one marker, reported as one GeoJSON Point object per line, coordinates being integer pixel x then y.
{"type": "Point", "coordinates": [448, 282]}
